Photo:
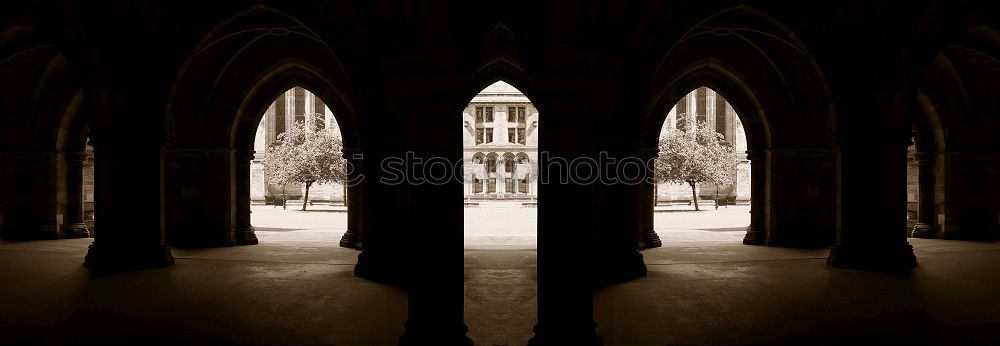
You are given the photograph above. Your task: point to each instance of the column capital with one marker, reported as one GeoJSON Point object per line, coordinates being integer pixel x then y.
{"type": "Point", "coordinates": [244, 154]}
{"type": "Point", "coordinates": [76, 158]}
{"type": "Point", "coordinates": [756, 154]}
{"type": "Point", "coordinates": [924, 157]}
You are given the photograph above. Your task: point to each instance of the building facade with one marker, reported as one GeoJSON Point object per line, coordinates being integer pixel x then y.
{"type": "Point", "coordinates": [500, 142]}
{"type": "Point", "coordinates": [295, 105]}
{"type": "Point", "coordinates": [704, 105]}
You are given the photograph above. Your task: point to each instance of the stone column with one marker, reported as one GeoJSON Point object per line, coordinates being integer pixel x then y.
{"type": "Point", "coordinates": [29, 207]}
{"type": "Point", "coordinates": [566, 227]}
{"type": "Point", "coordinates": [756, 233]}
{"type": "Point", "coordinates": [871, 203]}
{"type": "Point", "coordinates": [73, 222]}
{"type": "Point", "coordinates": [201, 200]}
{"type": "Point", "coordinates": [354, 200]}
{"type": "Point", "coordinates": [926, 181]}
{"type": "Point", "coordinates": [128, 174]}
{"type": "Point", "coordinates": [801, 196]}
{"type": "Point", "coordinates": [618, 233]}
{"type": "Point", "coordinates": [647, 203]}
{"type": "Point", "coordinates": [243, 232]}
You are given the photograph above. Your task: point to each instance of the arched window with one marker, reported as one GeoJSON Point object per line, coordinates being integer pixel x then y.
{"type": "Point", "coordinates": [491, 169]}
{"type": "Point", "coordinates": [508, 169]}
{"type": "Point", "coordinates": [478, 182]}
{"type": "Point", "coordinates": [522, 177]}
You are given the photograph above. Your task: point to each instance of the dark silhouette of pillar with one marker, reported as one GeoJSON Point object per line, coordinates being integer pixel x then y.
{"type": "Point", "coordinates": [871, 229]}
{"type": "Point", "coordinates": [618, 230]}
{"type": "Point", "coordinates": [129, 190]}
{"type": "Point", "coordinates": [647, 197]}
{"type": "Point", "coordinates": [353, 200]}
{"type": "Point", "coordinates": [756, 231]}
{"type": "Point", "coordinates": [73, 221]}
{"type": "Point", "coordinates": [565, 228]}
{"type": "Point", "coordinates": [925, 196]}
{"type": "Point", "coordinates": [243, 232]}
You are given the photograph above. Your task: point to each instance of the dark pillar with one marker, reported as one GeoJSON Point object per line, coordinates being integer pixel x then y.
{"type": "Point", "coordinates": [128, 169]}
{"type": "Point", "coordinates": [565, 228]}
{"type": "Point", "coordinates": [871, 229]}
{"type": "Point", "coordinates": [200, 198]}
{"type": "Point", "coordinates": [353, 200]}
{"type": "Point", "coordinates": [29, 207]}
{"type": "Point", "coordinates": [647, 203]}
{"type": "Point", "coordinates": [926, 181]}
{"type": "Point", "coordinates": [384, 216]}
{"type": "Point", "coordinates": [73, 222]}
{"type": "Point", "coordinates": [800, 197]}
{"type": "Point", "coordinates": [243, 232]}
{"type": "Point", "coordinates": [756, 232]}
{"type": "Point", "coordinates": [619, 232]}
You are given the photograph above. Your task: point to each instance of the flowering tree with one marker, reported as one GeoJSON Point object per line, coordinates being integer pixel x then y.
{"type": "Point", "coordinates": [695, 156]}
{"type": "Point", "coordinates": [307, 155]}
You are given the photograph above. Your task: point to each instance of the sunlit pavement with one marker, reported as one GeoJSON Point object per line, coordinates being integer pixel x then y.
{"type": "Point", "coordinates": [502, 227]}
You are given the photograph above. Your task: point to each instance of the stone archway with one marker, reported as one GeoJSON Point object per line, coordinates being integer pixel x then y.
{"type": "Point", "coordinates": [219, 99]}
{"type": "Point", "coordinates": [781, 99]}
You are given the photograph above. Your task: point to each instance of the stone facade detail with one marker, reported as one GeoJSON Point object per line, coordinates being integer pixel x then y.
{"type": "Point", "coordinates": [500, 145]}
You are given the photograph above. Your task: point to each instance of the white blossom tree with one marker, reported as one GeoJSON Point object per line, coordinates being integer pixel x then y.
{"type": "Point", "coordinates": [695, 156]}
{"type": "Point", "coordinates": [307, 155]}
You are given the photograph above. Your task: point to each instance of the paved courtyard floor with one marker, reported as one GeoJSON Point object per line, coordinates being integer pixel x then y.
{"type": "Point", "coordinates": [502, 226]}
{"type": "Point", "coordinates": [695, 293]}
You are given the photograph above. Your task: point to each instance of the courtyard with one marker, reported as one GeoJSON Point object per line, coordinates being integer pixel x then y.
{"type": "Point", "coordinates": [501, 226]}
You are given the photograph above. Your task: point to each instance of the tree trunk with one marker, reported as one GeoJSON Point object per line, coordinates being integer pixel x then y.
{"type": "Point", "coordinates": [284, 196]}
{"type": "Point", "coordinates": [305, 199]}
{"type": "Point", "coordinates": [345, 195]}
{"type": "Point", "coordinates": [694, 196]}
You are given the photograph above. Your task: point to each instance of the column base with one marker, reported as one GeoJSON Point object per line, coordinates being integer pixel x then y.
{"type": "Point", "coordinates": [380, 270]}
{"type": "Point", "coordinates": [888, 258]}
{"type": "Point", "coordinates": [246, 236]}
{"type": "Point", "coordinates": [427, 336]}
{"type": "Point", "coordinates": [351, 240]}
{"type": "Point", "coordinates": [102, 258]}
{"type": "Point", "coordinates": [754, 237]}
{"type": "Point", "coordinates": [923, 230]}
{"type": "Point", "coordinates": [650, 240]}
{"type": "Point", "coordinates": [619, 269]}
{"type": "Point", "coordinates": [583, 336]}
{"type": "Point", "coordinates": [75, 230]}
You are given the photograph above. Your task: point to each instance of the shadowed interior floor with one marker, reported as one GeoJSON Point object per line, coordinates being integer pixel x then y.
{"type": "Point", "coordinates": [696, 293]}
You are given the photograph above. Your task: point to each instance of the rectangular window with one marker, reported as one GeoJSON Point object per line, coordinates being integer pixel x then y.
{"type": "Point", "coordinates": [488, 114]}
{"type": "Point", "coordinates": [509, 183]}
{"type": "Point", "coordinates": [319, 106]}
{"type": "Point", "coordinates": [300, 104]}
{"type": "Point", "coordinates": [279, 116]}
{"type": "Point", "coordinates": [511, 136]}
{"type": "Point", "coordinates": [720, 114]}
{"type": "Point", "coordinates": [520, 116]}
{"type": "Point", "coordinates": [479, 136]}
{"type": "Point", "coordinates": [681, 120]}
{"type": "Point", "coordinates": [523, 186]}
{"type": "Point", "coordinates": [511, 114]}
{"type": "Point", "coordinates": [477, 186]}
{"type": "Point", "coordinates": [520, 136]}
{"type": "Point", "coordinates": [479, 115]}
{"type": "Point", "coordinates": [489, 136]}
{"type": "Point", "coordinates": [492, 186]}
